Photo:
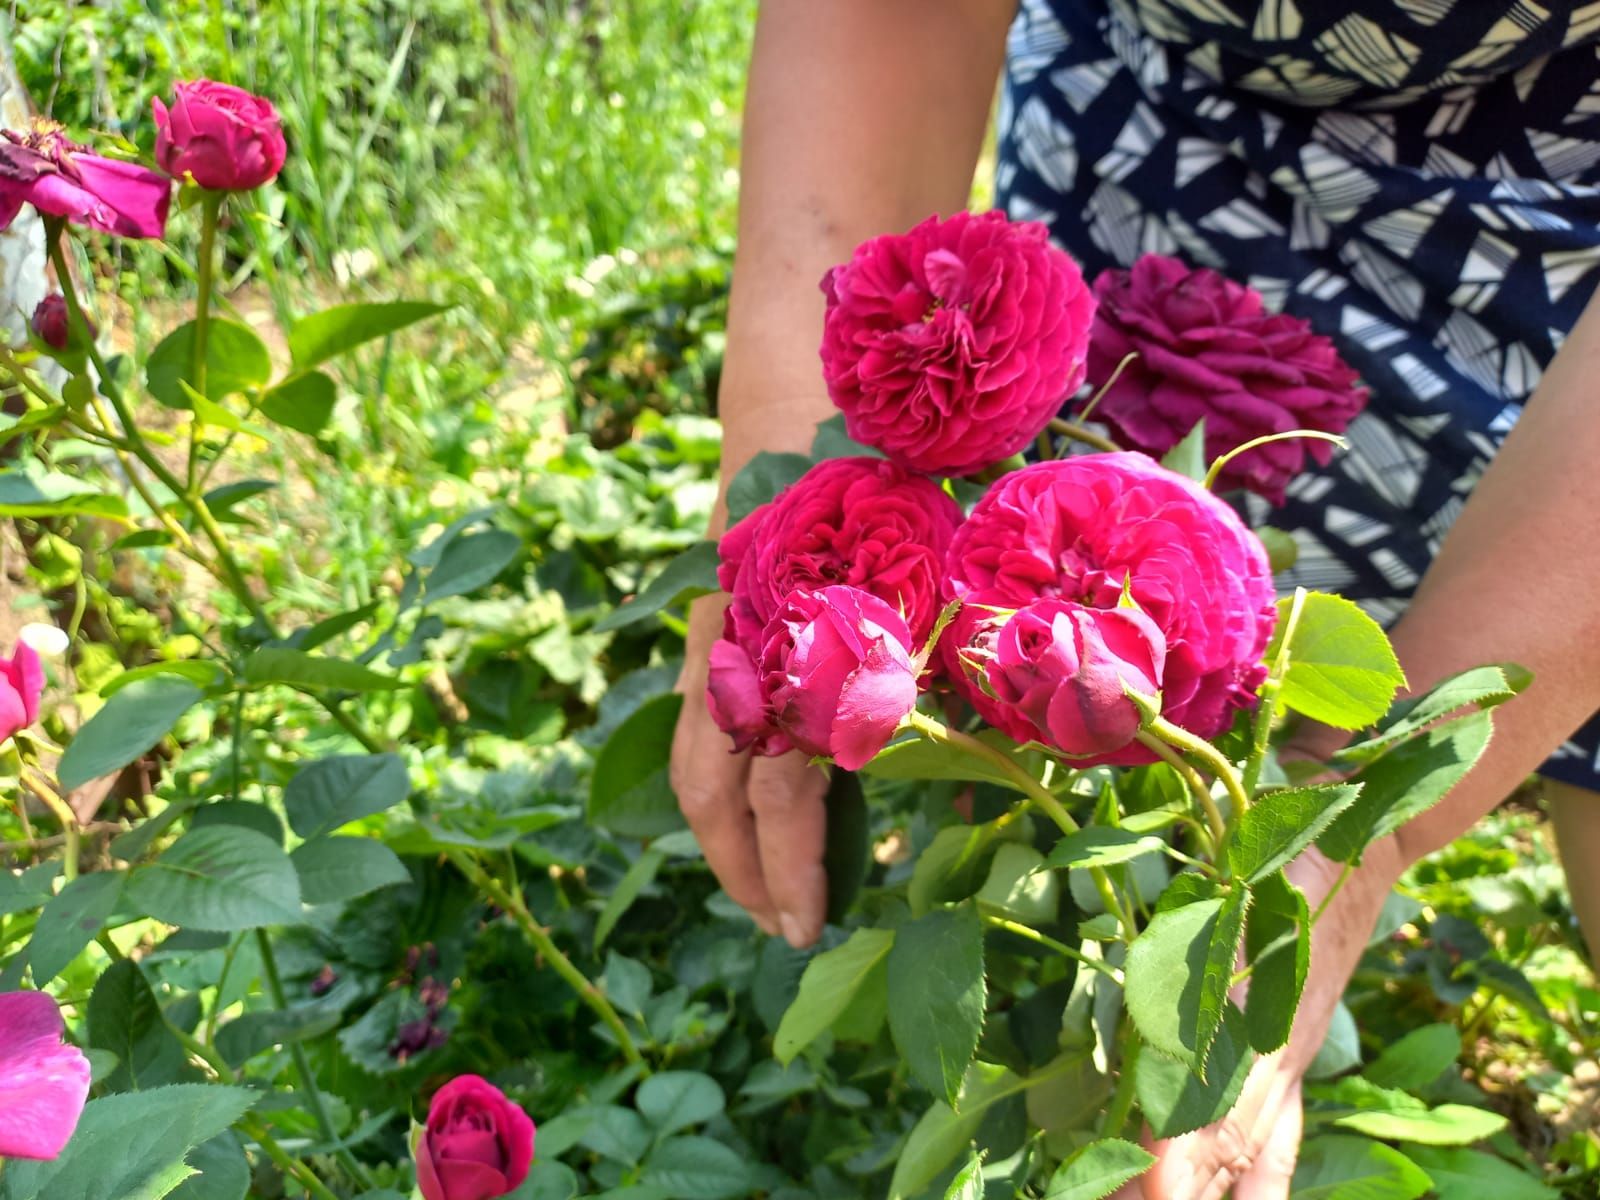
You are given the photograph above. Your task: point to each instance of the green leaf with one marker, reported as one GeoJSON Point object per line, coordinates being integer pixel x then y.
{"type": "Point", "coordinates": [224, 1171]}
{"type": "Point", "coordinates": [252, 814]}
{"type": "Point", "coordinates": [1481, 687]}
{"type": "Point", "coordinates": [129, 724]}
{"type": "Point", "coordinates": [617, 1133]}
{"type": "Point", "coordinates": [21, 891]}
{"type": "Point", "coordinates": [1342, 669]}
{"type": "Point", "coordinates": [1459, 1174]}
{"type": "Point", "coordinates": [692, 573]}
{"type": "Point", "coordinates": [1417, 1059]}
{"type": "Point", "coordinates": [223, 878]}
{"type": "Point", "coordinates": [54, 495]}
{"type": "Point", "coordinates": [1188, 457]}
{"type": "Point", "coordinates": [1019, 886]}
{"type": "Point", "coordinates": [1408, 780]}
{"type": "Point", "coordinates": [674, 1100]}
{"type": "Point", "coordinates": [130, 1147]}
{"type": "Point", "coordinates": [639, 876]}
{"type": "Point", "coordinates": [968, 1183]}
{"type": "Point", "coordinates": [125, 1020]}
{"type": "Point", "coordinates": [248, 1034]}
{"type": "Point", "coordinates": [302, 402]}
{"type": "Point", "coordinates": [1279, 825]}
{"type": "Point", "coordinates": [279, 664]}
{"type": "Point", "coordinates": [1347, 1168]}
{"type": "Point", "coordinates": [200, 672]}
{"type": "Point", "coordinates": [1396, 1116]}
{"type": "Point", "coordinates": [472, 561]}
{"type": "Point", "coordinates": [1102, 846]}
{"type": "Point", "coordinates": [942, 1132]}
{"type": "Point", "coordinates": [917, 757]}
{"type": "Point", "coordinates": [1282, 550]}
{"type": "Point", "coordinates": [957, 861]}
{"type": "Point", "coordinates": [332, 792]}
{"type": "Point", "coordinates": [1098, 1169]}
{"type": "Point", "coordinates": [1175, 1101]}
{"type": "Point", "coordinates": [847, 848]}
{"type": "Point", "coordinates": [831, 441]}
{"type": "Point", "coordinates": [1278, 947]}
{"type": "Point", "coordinates": [1177, 975]}
{"type": "Point", "coordinates": [830, 982]}
{"type": "Point", "coordinates": [1340, 1049]}
{"type": "Point", "coordinates": [236, 361]}
{"type": "Point", "coordinates": [629, 793]}
{"type": "Point", "coordinates": [697, 1168]}
{"type": "Point", "coordinates": [332, 869]}
{"type": "Point", "coordinates": [761, 479]}
{"type": "Point", "coordinates": [936, 996]}
{"type": "Point", "coordinates": [334, 331]}
{"type": "Point", "coordinates": [70, 921]}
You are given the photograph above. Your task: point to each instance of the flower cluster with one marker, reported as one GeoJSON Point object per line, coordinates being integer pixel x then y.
{"type": "Point", "coordinates": [1090, 593]}
{"type": "Point", "coordinates": [221, 138]}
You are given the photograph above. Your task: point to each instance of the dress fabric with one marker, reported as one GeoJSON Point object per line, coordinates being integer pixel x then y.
{"type": "Point", "coordinates": [1420, 179]}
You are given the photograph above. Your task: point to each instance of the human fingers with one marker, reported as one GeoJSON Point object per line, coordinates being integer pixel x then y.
{"type": "Point", "coordinates": [786, 795]}
{"type": "Point", "coordinates": [1272, 1173]}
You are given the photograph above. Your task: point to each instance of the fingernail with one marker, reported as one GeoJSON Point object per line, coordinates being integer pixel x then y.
{"type": "Point", "coordinates": [793, 931]}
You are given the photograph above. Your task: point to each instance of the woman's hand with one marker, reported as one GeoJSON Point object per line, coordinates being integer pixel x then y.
{"type": "Point", "coordinates": [1253, 1149]}
{"type": "Point", "coordinates": [760, 821]}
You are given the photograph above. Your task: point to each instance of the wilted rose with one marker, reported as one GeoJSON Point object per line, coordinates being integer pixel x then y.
{"type": "Point", "coordinates": [838, 674]}
{"type": "Point", "coordinates": [951, 346]}
{"type": "Point", "coordinates": [221, 136]}
{"type": "Point", "coordinates": [1208, 348]}
{"type": "Point", "coordinates": [60, 178]}
{"type": "Point", "coordinates": [476, 1145]}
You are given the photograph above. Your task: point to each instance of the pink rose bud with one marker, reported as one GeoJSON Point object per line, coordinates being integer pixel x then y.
{"type": "Point", "coordinates": [61, 179]}
{"type": "Point", "coordinates": [1208, 348]}
{"type": "Point", "coordinates": [21, 685]}
{"type": "Point", "coordinates": [43, 1082]}
{"type": "Point", "coordinates": [737, 703]}
{"type": "Point", "coordinates": [477, 1144]}
{"type": "Point", "coordinates": [1064, 667]}
{"type": "Point", "coordinates": [838, 673]}
{"type": "Point", "coordinates": [221, 136]}
{"type": "Point", "coordinates": [951, 346]}
{"type": "Point", "coordinates": [50, 321]}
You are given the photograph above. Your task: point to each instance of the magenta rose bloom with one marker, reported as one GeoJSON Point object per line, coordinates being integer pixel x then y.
{"type": "Point", "coordinates": [43, 1082]}
{"type": "Point", "coordinates": [861, 522]}
{"type": "Point", "coordinates": [49, 322]}
{"type": "Point", "coordinates": [1062, 668]}
{"type": "Point", "coordinates": [1082, 529]}
{"type": "Point", "coordinates": [950, 347]}
{"type": "Point", "coordinates": [62, 179]}
{"type": "Point", "coordinates": [476, 1145]}
{"type": "Point", "coordinates": [1208, 348]}
{"type": "Point", "coordinates": [838, 673]}
{"type": "Point", "coordinates": [221, 136]}
{"type": "Point", "coordinates": [21, 685]}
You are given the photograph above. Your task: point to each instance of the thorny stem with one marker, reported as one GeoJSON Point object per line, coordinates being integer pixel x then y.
{"type": "Point", "coordinates": [1267, 711]}
{"type": "Point", "coordinates": [1078, 433]}
{"type": "Point", "coordinates": [1122, 1101]}
{"type": "Point", "coordinates": [1191, 778]}
{"type": "Point", "coordinates": [63, 813]}
{"type": "Point", "coordinates": [1050, 943]}
{"type": "Point", "coordinates": [512, 903]}
{"type": "Point", "coordinates": [1210, 757]}
{"type": "Point", "coordinates": [1036, 792]}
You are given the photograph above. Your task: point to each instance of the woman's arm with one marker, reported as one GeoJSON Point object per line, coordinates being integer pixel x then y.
{"type": "Point", "coordinates": [861, 117]}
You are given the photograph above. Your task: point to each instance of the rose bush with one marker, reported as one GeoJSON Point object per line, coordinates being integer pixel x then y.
{"type": "Point", "coordinates": [950, 347]}
{"type": "Point", "coordinates": [1204, 347]}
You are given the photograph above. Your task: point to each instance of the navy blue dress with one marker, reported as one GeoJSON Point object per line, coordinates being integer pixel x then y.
{"type": "Point", "coordinates": [1420, 179]}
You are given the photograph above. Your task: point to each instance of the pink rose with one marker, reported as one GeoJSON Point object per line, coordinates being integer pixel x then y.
{"type": "Point", "coordinates": [1207, 348]}
{"type": "Point", "coordinates": [21, 685]}
{"type": "Point", "coordinates": [61, 179]}
{"type": "Point", "coordinates": [477, 1144]}
{"type": "Point", "coordinates": [861, 522]}
{"type": "Point", "coordinates": [950, 347]}
{"type": "Point", "coordinates": [43, 1082]}
{"type": "Point", "coordinates": [1061, 668]}
{"type": "Point", "coordinates": [221, 136]}
{"type": "Point", "coordinates": [838, 673]}
{"type": "Point", "coordinates": [1081, 529]}
{"type": "Point", "coordinates": [49, 322]}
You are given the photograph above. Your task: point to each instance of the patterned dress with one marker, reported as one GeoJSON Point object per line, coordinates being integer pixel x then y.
{"type": "Point", "coordinates": [1418, 178]}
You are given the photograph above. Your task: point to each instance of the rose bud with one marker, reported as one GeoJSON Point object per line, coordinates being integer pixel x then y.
{"type": "Point", "coordinates": [1064, 667]}
{"type": "Point", "coordinates": [221, 136]}
{"type": "Point", "coordinates": [476, 1145]}
{"type": "Point", "coordinates": [737, 703]}
{"type": "Point", "coordinates": [50, 321]}
{"type": "Point", "coordinates": [43, 1081]}
{"type": "Point", "coordinates": [838, 673]}
{"type": "Point", "coordinates": [21, 685]}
